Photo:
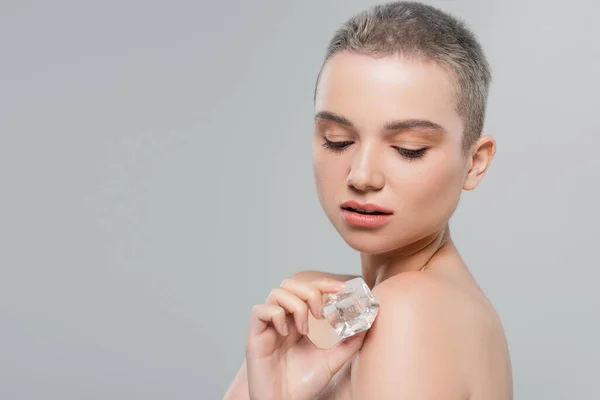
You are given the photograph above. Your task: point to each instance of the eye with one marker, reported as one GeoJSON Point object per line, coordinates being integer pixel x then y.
{"type": "Point", "coordinates": [336, 146]}
{"type": "Point", "coordinates": [410, 153]}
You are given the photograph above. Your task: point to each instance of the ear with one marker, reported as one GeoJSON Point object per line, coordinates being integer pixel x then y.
{"type": "Point", "coordinates": [480, 157]}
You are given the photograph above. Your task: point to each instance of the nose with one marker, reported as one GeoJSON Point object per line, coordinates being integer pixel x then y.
{"type": "Point", "coordinates": [365, 173]}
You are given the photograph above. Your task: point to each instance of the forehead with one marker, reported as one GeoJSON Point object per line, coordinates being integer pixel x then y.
{"type": "Point", "coordinates": [372, 91]}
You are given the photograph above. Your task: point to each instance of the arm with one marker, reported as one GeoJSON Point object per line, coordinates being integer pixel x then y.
{"type": "Point", "coordinates": [238, 390]}
{"type": "Point", "coordinates": [414, 349]}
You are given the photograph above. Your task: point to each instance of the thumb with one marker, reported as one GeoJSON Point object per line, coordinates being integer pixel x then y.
{"type": "Point", "coordinates": [337, 356]}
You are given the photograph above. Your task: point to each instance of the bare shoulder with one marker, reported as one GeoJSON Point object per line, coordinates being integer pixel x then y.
{"type": "Point", "coordinates": [436, 294]}
{"type": "Point", "coordinates": [430, 340]}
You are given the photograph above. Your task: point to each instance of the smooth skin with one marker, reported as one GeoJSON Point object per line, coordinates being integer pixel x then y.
{"type": "Point", "coordinates": [387, 131]}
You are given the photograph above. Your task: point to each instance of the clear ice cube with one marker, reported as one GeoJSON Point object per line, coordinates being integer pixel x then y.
{"type": "Point", "coordinates": [351, 310]}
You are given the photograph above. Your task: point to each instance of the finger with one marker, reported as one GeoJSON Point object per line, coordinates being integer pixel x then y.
{"type": "Point", "coordinates": [262, 314]}
{"type": "Point", "coordinates": [292, 304]}
{"type": "Point", "coordinates": [312, 292]}
{"type": "Point", "coordinates": [327, 285]}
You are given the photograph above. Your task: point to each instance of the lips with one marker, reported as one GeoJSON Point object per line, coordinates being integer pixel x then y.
{"type": "Point", "coordinates": [365, 209]}
{"type": "Point", "coordinates": [365, 215]}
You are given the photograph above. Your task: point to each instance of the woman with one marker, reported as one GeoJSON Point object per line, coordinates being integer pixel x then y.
{"type": "Point", "coordinates": [399, 110]}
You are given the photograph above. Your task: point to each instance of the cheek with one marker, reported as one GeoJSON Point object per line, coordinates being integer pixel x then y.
{"type": "Point", "coordinates": [330, 172]}
{"type": "Point", "coordinates": [436, 190]}
{"type": "Point", "coordinates": [318, 166]}
{"type": "Point", "coordinates": [325, 173]}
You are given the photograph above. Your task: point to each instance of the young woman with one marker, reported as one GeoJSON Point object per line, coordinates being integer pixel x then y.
{"type": "Point", "coordinates": [399, 110]}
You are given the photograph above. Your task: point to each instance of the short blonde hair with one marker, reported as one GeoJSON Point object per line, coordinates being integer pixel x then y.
{"type": "Point", "coordinates": [413, 29]}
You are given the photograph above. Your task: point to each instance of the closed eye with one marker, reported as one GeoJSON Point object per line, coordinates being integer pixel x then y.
{"type": "Point", "coordinates": [410, 153]}
{"type": "Point", "coordinates": [336, 146]}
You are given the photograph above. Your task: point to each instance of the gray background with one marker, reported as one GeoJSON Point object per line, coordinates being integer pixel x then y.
{"type": "Point", "coordinates": [156, 182]}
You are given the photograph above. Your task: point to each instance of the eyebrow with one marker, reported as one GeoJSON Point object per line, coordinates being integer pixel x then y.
{"type": "Point", "coordinates": [397, 126]}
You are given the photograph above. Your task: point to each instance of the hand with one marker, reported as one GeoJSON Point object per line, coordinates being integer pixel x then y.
{"type": "Point", "coordinates": [282, 363]}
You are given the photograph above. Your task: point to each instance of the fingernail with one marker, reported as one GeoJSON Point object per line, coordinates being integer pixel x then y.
{"type": "Point", "coordinates": [285, 330]}
{"type": "Point", "coordinates": [305, 328]}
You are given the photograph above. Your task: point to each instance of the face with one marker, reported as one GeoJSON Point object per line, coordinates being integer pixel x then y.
{"type": "Point", "coordinates": [387, 137]}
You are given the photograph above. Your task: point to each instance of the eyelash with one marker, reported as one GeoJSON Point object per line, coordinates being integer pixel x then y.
{"type": "Point", "coordinates": [410, 154]}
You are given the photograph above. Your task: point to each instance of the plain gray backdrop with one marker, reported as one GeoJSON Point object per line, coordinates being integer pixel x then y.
{"type": "Point", "coordinates": [156, 182]}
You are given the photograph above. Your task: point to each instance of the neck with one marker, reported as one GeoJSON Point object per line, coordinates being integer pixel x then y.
{"type": "Point", "coordinates": [420, 255]}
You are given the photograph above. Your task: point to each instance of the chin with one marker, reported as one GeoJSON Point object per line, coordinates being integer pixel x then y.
{"type": "Point", "coordinates": [372, 241]}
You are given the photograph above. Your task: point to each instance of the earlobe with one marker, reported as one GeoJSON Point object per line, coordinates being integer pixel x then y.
{"type": "Point", "coordinates": [472, 180]}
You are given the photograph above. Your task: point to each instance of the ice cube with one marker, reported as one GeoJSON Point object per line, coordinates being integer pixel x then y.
{"type": "Point", "coordinates": [351, 310]}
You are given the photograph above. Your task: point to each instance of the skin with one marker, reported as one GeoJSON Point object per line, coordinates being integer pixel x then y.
{"type": "Point", "coordinates": [436, 335]}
